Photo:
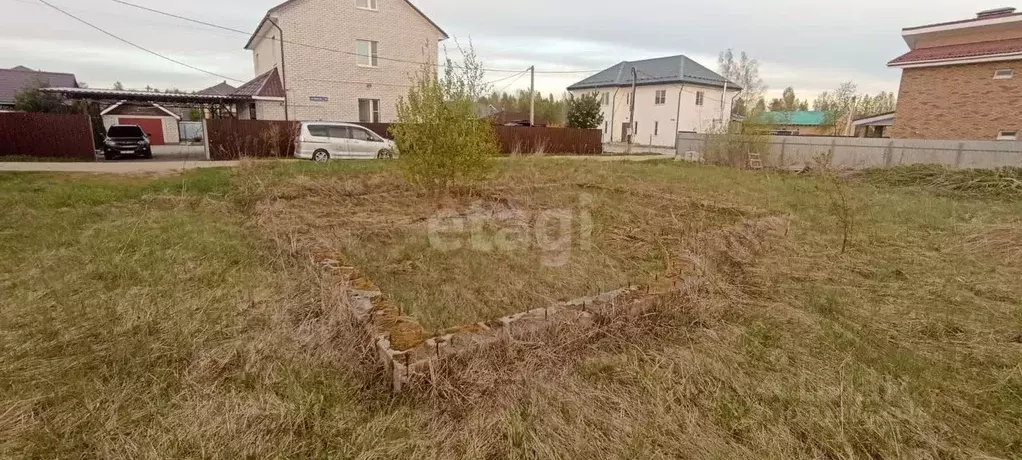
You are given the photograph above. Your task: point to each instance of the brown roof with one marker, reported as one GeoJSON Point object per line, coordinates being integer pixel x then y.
{"type": "Point", "coordinates": [14, 80]}
{"type": "Point", "coordinates": [265, 85]}
{"type": "Point", "coordinates": [288, 2]}
{"type": "Point", "coordinates": [966, 50]}
{"type": "Point", "coordinates": [964, 21]}
{"type": "Point", "coordinates": [223, 89]}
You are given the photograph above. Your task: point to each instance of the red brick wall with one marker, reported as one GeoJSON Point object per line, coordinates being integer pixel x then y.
{"type": "Point", "coordinates": [958, 102]}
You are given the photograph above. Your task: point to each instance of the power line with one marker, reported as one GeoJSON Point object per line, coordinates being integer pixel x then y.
{"type": "Point", "coordinates": [517, 77]}
{"type": "Point", "coordinates": [321, 48]}
{"type": "Point", "coordinates": [154, 53]}
{"type": "Point", "coordinates": [505, 78]}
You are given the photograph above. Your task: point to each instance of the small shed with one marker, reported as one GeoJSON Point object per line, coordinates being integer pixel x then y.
{"type": "Point", "coordinates": [161, 124]}
{"type": "Point", "coordinates": [874, 126]}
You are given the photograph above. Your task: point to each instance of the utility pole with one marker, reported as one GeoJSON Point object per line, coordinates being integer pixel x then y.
{"type": "Point", "coordinates": [722, 99]}
{"type": "Point", "coordinates": [631, 110]}
{"type": "Point", "coordinates": [532, 97]}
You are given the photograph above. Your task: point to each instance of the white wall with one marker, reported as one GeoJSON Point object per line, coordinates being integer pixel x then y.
{"type": "Point", "coordinates": [170, 129]}
{"type": "Point", "coordinates": [658, 124]}
{"type": "Point", "coordinates": [402, 34]}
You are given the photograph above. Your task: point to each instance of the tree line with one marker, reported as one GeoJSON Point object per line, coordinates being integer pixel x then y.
{"type": "Point", "coordinates": [840, 103]}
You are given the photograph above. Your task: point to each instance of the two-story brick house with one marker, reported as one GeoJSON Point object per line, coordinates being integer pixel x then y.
{"type": "Point", "coordinates": [341, 60]}
{"type": "Point", "coordinates": [672, 94]}
{"type": "Point", "coordinates": [962, 79]}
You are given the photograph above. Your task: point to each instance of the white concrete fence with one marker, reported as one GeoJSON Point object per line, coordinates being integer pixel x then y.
{"type": "Point", "coordinates": [862, 153]}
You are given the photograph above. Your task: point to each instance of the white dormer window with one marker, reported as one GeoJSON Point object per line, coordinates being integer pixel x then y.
{"type": "Point", "coordinates": [1004, 74]}
{"type": "Point", "coordinates": [1007, 136]}
{"type": "Point", "coordinates": [366, 4]}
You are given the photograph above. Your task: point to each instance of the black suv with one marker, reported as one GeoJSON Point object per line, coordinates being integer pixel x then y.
{"type": "Point", "coordinates": [126, 140]}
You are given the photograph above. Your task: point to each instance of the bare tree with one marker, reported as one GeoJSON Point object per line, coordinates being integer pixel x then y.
{"type": "Point", "coordinates": [744, 71]}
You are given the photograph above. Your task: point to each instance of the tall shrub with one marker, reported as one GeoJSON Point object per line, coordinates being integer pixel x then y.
{"type": "Point", "coordinates": [441, 140]}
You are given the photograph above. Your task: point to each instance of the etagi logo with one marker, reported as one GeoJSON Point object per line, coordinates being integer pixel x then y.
{"type": "Point", "coordinates": [554, 232]}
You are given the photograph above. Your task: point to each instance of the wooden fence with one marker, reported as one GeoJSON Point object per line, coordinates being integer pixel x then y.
{"type": "Point", "coordinates": [46, 135]}
{"type": "Point", "coordinates": [231, 139]}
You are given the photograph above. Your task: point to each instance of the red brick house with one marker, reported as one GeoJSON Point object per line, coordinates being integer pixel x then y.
{"type": "Point", "coordinates": [962, 79]}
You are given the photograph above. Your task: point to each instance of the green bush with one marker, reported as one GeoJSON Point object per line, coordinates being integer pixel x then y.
{"type": "Point", "coordinates": [441, 140]}
{"type": "Point", "coordinates": [731, 147]}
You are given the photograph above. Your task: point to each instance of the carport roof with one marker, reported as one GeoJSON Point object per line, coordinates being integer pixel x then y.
{"type": "Point", "coordinates": [114, 95]}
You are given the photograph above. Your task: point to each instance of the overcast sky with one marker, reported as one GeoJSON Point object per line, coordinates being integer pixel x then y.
{"type": "Point", "coordinates": [810, 45]}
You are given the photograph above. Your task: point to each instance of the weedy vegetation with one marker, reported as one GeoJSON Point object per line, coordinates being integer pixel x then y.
{"type": "Point", "coordinates": [178, 317]}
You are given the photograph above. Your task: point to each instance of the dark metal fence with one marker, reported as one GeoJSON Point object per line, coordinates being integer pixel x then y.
{"type": "Point", "coordinates": [231, 139]}
{"type": "Point", "coordinates": [561, 141]}
{"type": "Point", "coordinates": [46, 135]}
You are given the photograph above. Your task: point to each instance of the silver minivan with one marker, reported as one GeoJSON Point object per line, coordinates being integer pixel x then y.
{"type": "Point", "coordinates": [322, 141]}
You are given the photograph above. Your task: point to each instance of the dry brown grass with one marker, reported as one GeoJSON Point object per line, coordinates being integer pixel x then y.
{"type": "Point", "coordinates": [381, 226]}
{"type": "Point", "coordinates": [195, 336]}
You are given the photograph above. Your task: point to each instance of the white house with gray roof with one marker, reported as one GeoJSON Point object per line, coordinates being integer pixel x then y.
{"type": "Point", "coordinates": [673, 94]}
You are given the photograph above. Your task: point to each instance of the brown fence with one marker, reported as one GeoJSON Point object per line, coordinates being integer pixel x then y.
{"type": "Point", "coordinates": [231, 139]}
{"type": "Point", "coordinates": [46, 135]}
{"type": "Point", "coordinates": [567, 141]}
{"type": "Point", "coordinates": [525, 139]}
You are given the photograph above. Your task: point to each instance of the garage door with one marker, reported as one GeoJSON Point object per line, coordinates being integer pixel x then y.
{"type": "Point", "coordinates": [152, 126]}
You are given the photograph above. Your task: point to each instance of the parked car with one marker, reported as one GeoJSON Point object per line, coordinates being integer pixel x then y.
{"type": "Point", "coordinates": [322, 141]}
{"type": "Point", "coordinates": [126, 140]}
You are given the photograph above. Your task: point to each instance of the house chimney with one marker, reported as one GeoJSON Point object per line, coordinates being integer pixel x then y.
{"type": "Point", "coordinates": [995, 13]}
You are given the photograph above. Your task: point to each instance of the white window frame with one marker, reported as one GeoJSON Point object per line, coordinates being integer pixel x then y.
{"type": "Point", "coordinates": [374, 110]}
{"type": "Point", "coordinates": [370, 60]}
{"type": "Point", "coordinates": [700, 97]}
{"type": "Point", "coordinates": [370, 5]}
{"type": "Point", "coordinates": [661, 97]}
{"type": "Point", "coordinates": [1004, 74]}
{"type": "Point", "coordinates": [1007, 135]}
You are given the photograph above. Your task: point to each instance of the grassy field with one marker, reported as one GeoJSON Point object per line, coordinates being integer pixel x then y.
{"type": "Point", "coordinates": [178, 316]}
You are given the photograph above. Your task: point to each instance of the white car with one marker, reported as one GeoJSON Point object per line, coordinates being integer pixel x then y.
{"type": "Point", "coordinates": [322, 141]}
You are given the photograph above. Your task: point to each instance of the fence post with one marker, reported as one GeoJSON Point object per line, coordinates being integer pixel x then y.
{"type": "Point", "coordinates": [92, 138]}
{"type": "Point", "coordinates": [205, 137]}
{"type": "Point", "coordinates": [958, 156]}
{"type": "Point", "coordinates": [784, 145]}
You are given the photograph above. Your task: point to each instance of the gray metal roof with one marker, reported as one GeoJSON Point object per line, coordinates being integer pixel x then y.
{"type": "Point", "coordinates": [671, 69]}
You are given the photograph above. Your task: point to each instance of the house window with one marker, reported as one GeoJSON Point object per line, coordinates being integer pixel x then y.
{"type": "Point", "coordinates": [1007, 136]}
{"type": "Point", "coordinates": [365, 51]}
{"type": "Point", "coordinates": [661, 96]}
{"type": "Point", "coordinates": [251, 111]}
{"type": "Point", "coordinates": [369, 110]}
{"type": "Point", "coordinates": [606, 125]}
{"type": "Point", "coordinates": [628, 99]}
{"type": "Point", "coordinates": [604, 98]}
{"type": "Point", "coordinates": [656, 128]}
{"type": "Point", "coordinates": [699, 97]}
{"type": "Point", "coordinates": [1004, 74]}
{"type": "Point", "coordinates": [366, 4]}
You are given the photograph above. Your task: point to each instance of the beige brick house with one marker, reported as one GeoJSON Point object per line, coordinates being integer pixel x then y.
{"type": "Point", "coordinates": [341, 60]}
{"type": "Point", "coordinates": [962, 79]}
